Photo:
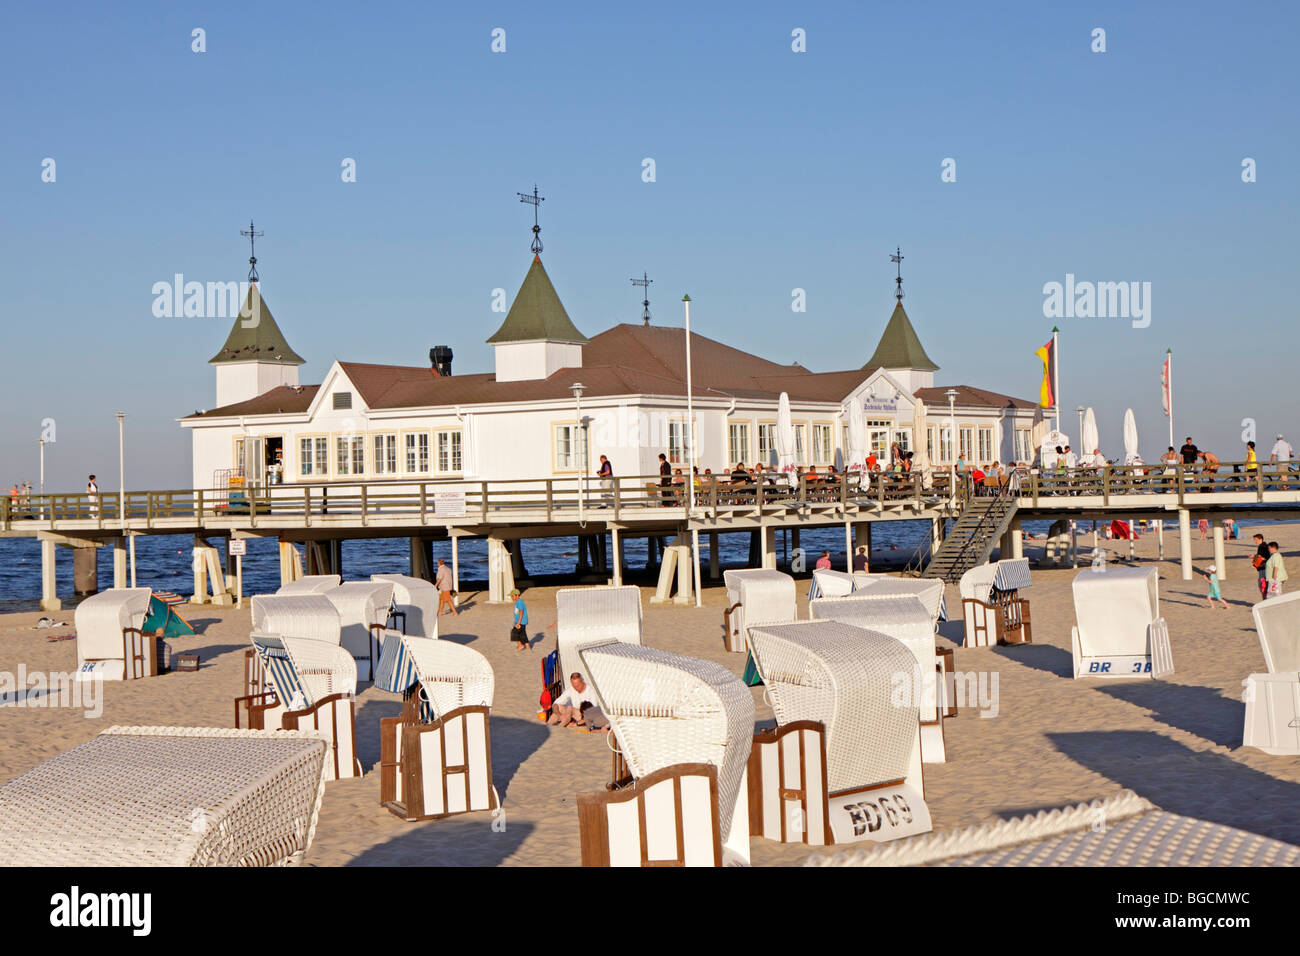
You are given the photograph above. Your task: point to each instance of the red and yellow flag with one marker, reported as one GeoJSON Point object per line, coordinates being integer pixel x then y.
{"type": "Point", "coordinates": [1046, 392]}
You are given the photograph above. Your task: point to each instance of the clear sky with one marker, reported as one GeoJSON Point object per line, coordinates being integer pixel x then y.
{"type": "Point", "coordinates": [774, 170]}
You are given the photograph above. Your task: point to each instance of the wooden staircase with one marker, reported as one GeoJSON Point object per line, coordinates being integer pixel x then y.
{"type": "Point", "coordinates": [972, 537]}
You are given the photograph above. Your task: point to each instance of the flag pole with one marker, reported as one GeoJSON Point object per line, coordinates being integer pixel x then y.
{"type": "Point", "coordinates": [1169, 357]}
{"type": "Point", "coordinates": [1056, 363]}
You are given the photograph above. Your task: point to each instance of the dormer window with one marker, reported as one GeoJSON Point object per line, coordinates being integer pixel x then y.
{"type": "Point", "coordinates": [342, 400]}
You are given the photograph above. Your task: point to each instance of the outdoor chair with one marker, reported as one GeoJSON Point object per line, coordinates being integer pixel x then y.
{"type": "Point", "coordinates": [363, 608]}
{"type": "Point", "coordinates": [755, 596]}
{"type": "Point", "coordinates": [111, 643]}
{"type": "Point", "coordinates": [992, 610]}
{"type": "Point", "coordinates": [1119, 631]}
{"type": "Point", "coordinates": [1273, 697]}
{"type": "Point", "coordinates": [415, 604]}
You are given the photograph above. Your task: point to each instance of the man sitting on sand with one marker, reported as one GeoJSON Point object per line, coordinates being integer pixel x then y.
{"type": "Point", "coordinates": [567, 711]}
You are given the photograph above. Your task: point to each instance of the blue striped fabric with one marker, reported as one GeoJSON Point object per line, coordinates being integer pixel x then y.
{"type": "Point", "coordinates": [1012, 574]}
{"type": "Point", "coordinates": [395, 671]}
{"type": "Point", "coordinates": [281, 672]}
{"type": "Point", "coordinates": [943, 607]}
{"type": "Point", "coordinates": [814, 591]}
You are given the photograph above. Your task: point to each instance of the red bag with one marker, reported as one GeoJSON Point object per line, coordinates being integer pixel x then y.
{"type": "Point", "coordinates": [1257, 561]}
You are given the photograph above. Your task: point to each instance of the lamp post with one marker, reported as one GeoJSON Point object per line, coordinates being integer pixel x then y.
{"type": "Point", "coordinates": [1079, 436]}
{"type": "Point", "coordinates": [692, 460]}
{"type": "Point", "coordinates": [121, 468]}
{"type": "Point", "coordinates": [42, 488]}
{"type": "Point", "coordinates": [952, 436]}
{"type": "Point", "coordinates": [581, 437]}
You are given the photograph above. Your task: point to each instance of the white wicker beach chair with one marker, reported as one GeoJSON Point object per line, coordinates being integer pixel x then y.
{"type": "Point", "coordinates": [904, 618]}
{"type": "Point", "coordinates": [1273, 698]}
{"type": "Point", "coordinates": [308, 616]}
{"type": "Point", "coordinates": [363, 608]}
{"type": "Point", "coordinates": [684, 726]}
{"type": "Point", "coordinates": [855, 689]}
{"type": "Point", "coordinates": [829, 583]}
{"type": "Point", "coordinates": [593, 616]}
{"type": "Point", "coordinates": [415, 604]}
{"type": "Point", "coordinates": [311, 584]}
{"type": "Point", "coordinates": [436, 758]}
{"type": "Point", "coordinates": [756, 596]}
{"type": "Point", "coordinates": [311, 685]}
{"type": "Point", "coordinates": [110, 642]}
{"type": "Point", "coordinates": [1124, 830]}
{"type": "Point", "coordinates": [993, 611]}
{"type": "Point", "coordinates": [1119, 630]}
{"type": "Point", "coordinates": [168, 796]}
{"type": "Point", "coordinates": [929, 591]}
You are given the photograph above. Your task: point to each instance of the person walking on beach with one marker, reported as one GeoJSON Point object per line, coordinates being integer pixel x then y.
{"type": "Point", "coordinates": [1282, 454]}
{"type": "Point", "coordinates": [1275, 570]}
{"type": "Point", "coordinates": [860, 561]}
{"type": "Point", "coordinates": [92, 492]}
{"type": "Point", "coordinates": [1204, 527]}
{"type": "Point", "coordinates": [442, 580]}
{"type": "Point", "coordinates": [1259, 560]}
{"type": "Point", "coordinates": [1211, 574]}
{"type": "Point", "coordinates": [519, 628]}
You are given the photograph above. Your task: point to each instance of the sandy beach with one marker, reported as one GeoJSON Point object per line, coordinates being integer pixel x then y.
{"type": "Point", "coordinates": [1054, 741]}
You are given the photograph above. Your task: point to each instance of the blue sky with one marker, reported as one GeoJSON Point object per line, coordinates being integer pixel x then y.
{"type": "Point", "coordinates": [775, 170]}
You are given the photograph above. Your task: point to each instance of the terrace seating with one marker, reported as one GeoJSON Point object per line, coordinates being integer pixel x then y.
{"type": "Point", "coordinates": [902, 617]}
{"type": "Point", "coordinates": [684, 726]}
{"type": "Point", "coordinates": [310, 584]}
{"type": "Point", "coordinates": [436, 758]}
{"type": "Point", "coordinates": [310, 685]}
{"type": "Point", "coordinates": [755, 596]}
{"type": "Point", "coordinates": [992, 609]}
{"type": "Point", "coordinates": [168, 796]}
{"type": "Point", "coordinates": [844, 764]}
{"type": "Point", "coordinates": [415, 604]}
{"type": "Point", "coordinates": [1119, 631]}
{"type": "Point", "coordinates": [363, 608]}
{"type": "Point", "coordinates": [593, 616]}
{"type": "Point", "coordinates": [111, 643]}
{"type": "Point", "coordinates": [1273, 698]}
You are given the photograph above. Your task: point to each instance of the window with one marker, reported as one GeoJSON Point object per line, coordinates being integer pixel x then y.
{"type": "Point", "coordinates": [385, 454]}
{"type": "Point", "coordinates": [342, 400]}
{"type": "Point", "coordinates": [986, 444]}
{"type": "Point", "coordinates": [965, 442]}
{"type": "Point", "coordinates": [945, 444]}
{"type": "Point", "coordinates": [350, 455]}
{"type": "Point", "coordinates": [738, 443]}
{"type": "Point", "coordinates": [314, 457]}
{"type": "Point", "coordinates": [679, 449]}
{"type": "Point", "coordinates": [767, 444]}
{"type": "Point", "coordinates": [417, 454]}
{"type": "Point", "coordinates": [1023, 445]}
{"type": "Point", "coordinates": [801, 443]}
{"type": "Point", "coordinates": [878, 438]}
{"type": "Point", "coordinates": [929, 444]}
{"type": "Point", "coordinates": [569, 453]}
{"type": "Point", "coordinates": [904, 438]}
{"type": "Point", "coordinates": [449, 451]}
{"type": "Point", "coordinates": [823, 453]}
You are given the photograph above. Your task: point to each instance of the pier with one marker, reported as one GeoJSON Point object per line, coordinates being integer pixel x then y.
{"type": "Point", "coordinates": [320, 515]}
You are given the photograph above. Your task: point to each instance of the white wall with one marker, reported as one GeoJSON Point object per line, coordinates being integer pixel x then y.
{"type": "Point", "coordinates": [525, 361]}
{"type": "Point", "coordinates": [240, 381]}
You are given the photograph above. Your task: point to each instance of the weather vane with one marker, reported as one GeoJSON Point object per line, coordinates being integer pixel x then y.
{"type": "Point", "coordinates": [644, 282]}
{"type": "Point", "coordinates": [252, 252]}
{"type": "Point", "coordinates": [535, 201]}
{"type": "Point", "coordinates": [897, 257]}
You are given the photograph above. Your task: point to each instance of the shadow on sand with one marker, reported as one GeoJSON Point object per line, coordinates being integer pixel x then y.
{"type": "Point", "coordinates": [473, 839]}
{"type": "Point", "coordinates": [1201, 711]}
{"type": "Point", "coordinates": [1041, 657]}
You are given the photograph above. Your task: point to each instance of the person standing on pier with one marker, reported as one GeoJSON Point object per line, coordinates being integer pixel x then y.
{"type": "Point", "coordinates": [92, 492]}
{"type": "Point", "coordinates": [444, 584]}
{"type": "Point", "coordinates": [606, 475]}
{"type": "Point", "coordinates": [665, 480]}
{"type": "Point", "coordinates": [1282, 454]}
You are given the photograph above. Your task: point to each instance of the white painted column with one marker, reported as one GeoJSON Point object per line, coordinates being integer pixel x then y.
{"type": "Point", "coordinates": [455, 570]}
{"type": "Point", "coordinates": [848, 546]}
{"type": "Point", "coordinates": [1017, 542]}
{"type": "Point", "coordinates": [1220, 562]}
{"type": "Point", "coordinates": [49, 592]}
{"type": "Point", "coordinates": [616, 545]}
{"type": "Point", "coordinates": [130, 544]}
{"type": "Point", "coordinates": [767, 537]}
{"type": "Point", "coordinates": [1185, 542]}
{"type": "Point", "coordinates": [119, 562]}
{"type": "Point", "coordinates": [695, 564]}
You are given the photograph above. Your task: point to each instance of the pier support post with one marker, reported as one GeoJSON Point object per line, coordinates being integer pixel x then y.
{"type": "Point", "coordinates": [768, 538]}
{"type": "Point", "coordinates": [455, 567]}
{"type": "Point", "coordinates": [714, 561]}
{"type": "Point", "coordinates": [695, 567]}
{"type": "Point", "coordinates": [616, 545]}
{"type": "Point", "coordinates": [1017, 541]}
{"type": "Point", "coordinates": [119, 562]}
{"type": "Point", "coordinates": [685, 568]}
{"type": "Point", "coordinates": [1160, 539]}
{"type": "Point", "coordinates": [1220, 562]}
{"type": "Point", "coordinates": [501, 576]}
{"type": "Point", "coordinates": [130, 545]}
{"type": "Point", "coordinates": [421, 565]}
{"type": "Point", "coordinates": [290, 563]}
{"type": "Point", "coordinates": [49, 593]}
{"type": "Point", "coordinates": [861, 539]}
{"type": "Point", "coordinates": [936, 534]}
{"type": "Point", "coordinates": [85, 570]}
{"type": "Point", "coordinates": [1185, 542]}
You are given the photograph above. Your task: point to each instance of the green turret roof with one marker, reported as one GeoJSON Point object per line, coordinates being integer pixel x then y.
{"type": "Point", "coordinates": [537, 314]}
{"type": "Point", "coordinates": [255, 337]}
{"type": "Point", "coordinates": [900, 347]}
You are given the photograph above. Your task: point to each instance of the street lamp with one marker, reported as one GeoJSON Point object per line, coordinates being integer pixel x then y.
{"type": "Point", "coordinates": [580, 435]}
{"type": "Point", "coordinates": [1079, 437]}
{"type": "Point", "coordinates": [692, 460]}
{"type": "Point", "coordinates": [952, 435]}
{"type": "Point", "coordinates": [121, 468]}
{"type": "Point", "coordinates": [42, 490]}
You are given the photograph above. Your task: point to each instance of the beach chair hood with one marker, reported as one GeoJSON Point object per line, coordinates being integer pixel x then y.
{"type": "Point", "coordinates": [1113, 609]}
{"type": "Point", "coordinates": [594, 616]}
{"type": "Point", "coordinates": [417, 599]}
{"type": "Point", "coordinates": [1277, 621]}
{"type": "Point", "coordinates": [297, 615]}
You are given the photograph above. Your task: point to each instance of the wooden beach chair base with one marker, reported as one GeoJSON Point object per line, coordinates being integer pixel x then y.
{"type": "Point", "coordinates": [789, 803]}
{"type": "Point", "coordinates": [1273, 713]}
{"type": "Point", "coordinates": [433, 770]}
{"type": "Point", "coordinates": [139, 659]}
{"type": "Point", "coordinates": [334, 716]}
{"type": "Point", "coordinates": [1005, 622]}
{"type": "Point", "coordinates": [668, 818]}
{"type": "Point", "coordinates": [1156, 664]}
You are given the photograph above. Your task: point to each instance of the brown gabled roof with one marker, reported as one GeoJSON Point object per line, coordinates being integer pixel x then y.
{"type": "Point", "coordinates": [283, 399]}
{"type": "Point", "coordinates": [969, 395]}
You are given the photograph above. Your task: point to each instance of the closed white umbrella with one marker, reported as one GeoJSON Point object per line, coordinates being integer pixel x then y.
{"type": "Point", "coordinates": [785, 462]}
{"type": "Point", "coordinates": [1090, 439]}
{"type": "Point", "coordinates": [857, 437]}
{"type": "Point", "coordinates": [1131, 456]}
{"type": "Point", "coordinates": [920, 454]}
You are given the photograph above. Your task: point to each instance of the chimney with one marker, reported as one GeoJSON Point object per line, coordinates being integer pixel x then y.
{"type": "Point", "coordinates": [440, 360]}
